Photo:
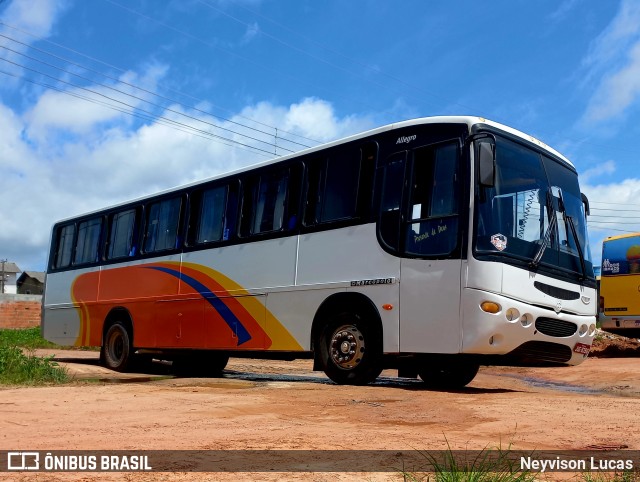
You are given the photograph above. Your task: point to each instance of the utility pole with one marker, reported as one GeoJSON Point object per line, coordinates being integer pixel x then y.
{"type": "Point", "coordinates": [2, 276]}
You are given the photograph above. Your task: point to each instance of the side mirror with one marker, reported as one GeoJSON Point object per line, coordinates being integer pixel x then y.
{"type": "Point", "coordinates": [487, 163]}
{"type": "Point", "coordinates": [585, 201]}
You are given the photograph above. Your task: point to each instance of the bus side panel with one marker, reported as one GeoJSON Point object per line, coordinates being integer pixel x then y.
{"type": "Point", "coordinates": [387, 295]}
{"type": "Point", "coordinates": [621, 295]}
{"type": "Point", "coordinates": [146, 291]}
{"type": "Point", "coordinates": [344, 255]}
{"type": "Point", "coordinates": [294, 310]}
{"type": "Point", "coordinates": [234, 281]}
{"type": "Point", "coordinates": [66, 307]}
{"type": "Point", "coordinates": [352, 256]}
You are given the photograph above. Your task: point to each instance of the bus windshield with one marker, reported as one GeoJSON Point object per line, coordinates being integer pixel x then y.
{"type": "Point", "coordinates": [515, 216]}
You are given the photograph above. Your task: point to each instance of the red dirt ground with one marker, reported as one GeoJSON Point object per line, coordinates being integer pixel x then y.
{"type": "Point", "coordinates": [284, 405]}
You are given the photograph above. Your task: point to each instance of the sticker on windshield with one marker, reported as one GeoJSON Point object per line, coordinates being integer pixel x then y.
{"type": "Point", "coordinates": [499, 241]}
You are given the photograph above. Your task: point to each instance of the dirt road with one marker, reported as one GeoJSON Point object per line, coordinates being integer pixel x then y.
{"type": "Point", "coordinates": [284, 405]}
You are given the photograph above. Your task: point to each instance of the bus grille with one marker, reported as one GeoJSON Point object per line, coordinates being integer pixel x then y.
{"type": "Point", "coordinates": [557, 328]}
{"type": "Point", "coordinates": [537, 352]}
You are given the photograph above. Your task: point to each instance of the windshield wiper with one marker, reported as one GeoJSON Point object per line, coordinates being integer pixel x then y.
{"type": "Point", "coordinates": [547, 235]}
{"type": "Point", "coordinates": [552, 225]}
{"type": "Point", "coordinates": [583, 265]}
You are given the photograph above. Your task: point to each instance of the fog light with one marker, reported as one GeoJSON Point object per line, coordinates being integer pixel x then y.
{"type": "Point", "coordinates": [512, 314]}
{"type": "Point", "coordinates": [526, 320]}
{"type": "Point", "coordinates": [490, 307]}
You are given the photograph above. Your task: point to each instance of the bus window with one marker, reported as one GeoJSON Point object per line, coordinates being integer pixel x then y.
{"type": "Point", "coordinates": [433, 223]}
{"type": "Point", "coordinates": [268, 214]}
{"type": "Point", "coordinates": [265, 203]}
{"type": "Point", "coordinates": [393, 182]}
{"type": "Point", "coordinates": [161, 229]}
{"type": "Point", "coordinates": [210, 209]}
{"type": "Point", "coordinates": [333, 187]}
{"type": "Point", "coordinates": [122, 236]}
{"type": "Point", "coordinates": [87, 245]}
{"type": "Point", "coordinates": [64, 246]}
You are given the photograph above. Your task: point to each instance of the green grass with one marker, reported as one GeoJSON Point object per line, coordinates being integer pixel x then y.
{"type": "Point", "coordinates": [485, 466]}
{"type": "Point", "coordinates": [25, 338]}
{"type": "Point", "coordinates": [20, 368]}
{"type": "Point", "coordinates": [495, 465]}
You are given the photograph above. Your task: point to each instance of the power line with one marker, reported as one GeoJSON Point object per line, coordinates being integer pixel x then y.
{"type": "Point", "coordinates": [602, 228]}
{"type": "Point", "coordinates": [612, 216]}
{"type": "Point", "coordinates": [171, 121]}
{"type": "Point", "coordinates": [168, 109]}
{"type": "Point", "coordinates": [615, 204]}
{"type": "Point", "coordinates": [135, 87]}
{"type": "Point", "coordinates": [350, 59]}
{"type": "Point", "coordinates": [615, 210]}
{"type": "Point", "coordinates": [215, 138]}
{"type": "Point", "coordinates": [41, 39]}
{"type": "Point", "coordinates": [229, 52]}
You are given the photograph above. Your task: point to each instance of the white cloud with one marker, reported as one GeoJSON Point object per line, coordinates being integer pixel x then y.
{"type": "Point", "coordinates": [49, 177]}
{"type": "Point", "coordinates": [71, 111]}
{"type": "Point", "coordinates": [613, 66]}
{"type": "Point", "coordinates": [608, 167]}
{"type": "Point", "coordinates": [252, 30]}
{"type": "Point", "coordinates": [617, 36]}
{"type": "Point", "coordinates": [615, 209]}
{"type": "Point", "coordinates": [618, 91]}
{"type": "Point", "coordinates": [35, 16]}
{"type": "Point", "coordinates": [563, 9]}
{"type": "Point", "coordinates": [313, 118]}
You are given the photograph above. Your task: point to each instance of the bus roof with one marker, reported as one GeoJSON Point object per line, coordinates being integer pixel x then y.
{"type": "Point", "coordinates": [469, 120]}
{"type": "Point", "coordinates": [621, 236]}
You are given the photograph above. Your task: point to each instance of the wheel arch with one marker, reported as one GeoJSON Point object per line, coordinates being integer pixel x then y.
{"type": "Point", "coordinates": [122, 315]}
{"type": "Point", "coordinates": [346, 301]}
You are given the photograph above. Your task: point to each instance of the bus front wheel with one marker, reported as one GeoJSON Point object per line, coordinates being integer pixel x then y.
{"type": "Point", "coordinates": [117, 351]}
{"type": "Point", "coordinates": [448, 375]}
{"type": "Point", "coordinates": [350, 353]}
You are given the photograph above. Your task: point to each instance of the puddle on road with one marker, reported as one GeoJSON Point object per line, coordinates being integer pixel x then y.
{"type": "Point", "coordinates": [564, 387]}
{"type": "Point", "coordinates": [228, 385]}
{"type": "Point", "coordinates": [567, 387]}
{"type": "Point", "coordinates": [125, 380]}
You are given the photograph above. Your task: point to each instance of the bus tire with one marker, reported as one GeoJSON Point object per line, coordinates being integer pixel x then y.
{"type": "Point", "coordinates": [448, 375]}
{"type": "Point", "coordinates": [117, 350]}
{"type": "Point", "coordinates": [350, 350]}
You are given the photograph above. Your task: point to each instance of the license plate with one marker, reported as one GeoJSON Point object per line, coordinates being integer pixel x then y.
{"type": "Point", "coordinates": [582, 348]}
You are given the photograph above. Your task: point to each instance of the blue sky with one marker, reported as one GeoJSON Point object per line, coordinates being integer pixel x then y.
{"type": "Point", "coordinates": [567, 72]}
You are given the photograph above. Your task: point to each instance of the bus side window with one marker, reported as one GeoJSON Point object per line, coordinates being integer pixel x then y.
{"type": "Point", "coordinates": [88, 243]}
{"type": "Point", "coordinates": [64, 246]}
{"type": "Point", "coordinates": [335, 185]}
{"type": "Point", "coordinates": [122, 234]}
{"type": "Point", "coordinates": [265, 202]}
{"type": "Point", "coordinates": [161, 228]}
{"type": "Point", "coordinates": [208, 214]}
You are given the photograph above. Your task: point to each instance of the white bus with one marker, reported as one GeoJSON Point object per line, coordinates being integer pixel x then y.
{"type": "Point", "coordinates": [431, 246]}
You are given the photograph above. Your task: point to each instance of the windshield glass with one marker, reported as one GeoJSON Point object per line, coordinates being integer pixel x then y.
{"type": "Point", "coordinates": [514, 215]}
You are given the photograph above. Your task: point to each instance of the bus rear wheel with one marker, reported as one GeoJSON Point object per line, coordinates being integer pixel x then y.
{"type": "Point", "coordinates": [349, 351]}
{"type": "Point", "coordinates": [117, 350]}
{"type": "Point", "coordinates": [447, 374]}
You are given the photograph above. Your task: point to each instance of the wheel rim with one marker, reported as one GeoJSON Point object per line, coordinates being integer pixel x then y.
{"type": "Point", "coordinates": [347, 347]}
{"type": "Point", "coordinates": [116, 346]}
